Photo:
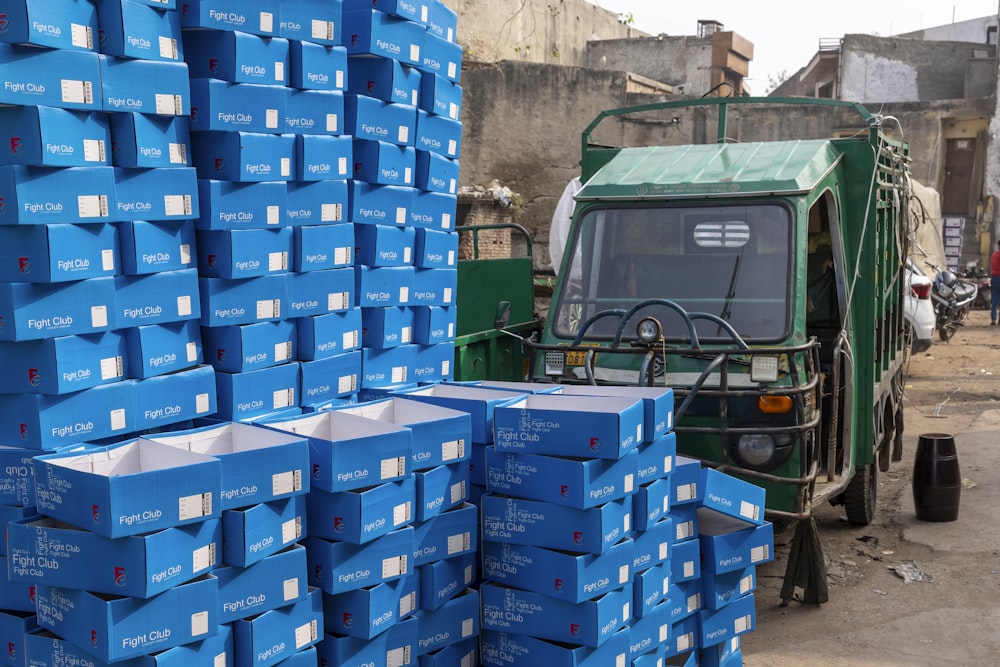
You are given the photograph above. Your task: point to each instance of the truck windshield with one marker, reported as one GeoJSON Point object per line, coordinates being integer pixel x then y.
{"type": "Point", "coordinates": [733, 261]}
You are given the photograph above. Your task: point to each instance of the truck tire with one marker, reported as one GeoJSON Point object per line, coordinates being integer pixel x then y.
{"type": "Point", "coordinates": [861, 494]}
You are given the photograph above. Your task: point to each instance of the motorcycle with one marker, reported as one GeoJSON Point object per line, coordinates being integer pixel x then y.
{"type": "Point", "coordinates": [975, 273]}
{"type": "Point", "coordinates": [953, 299]}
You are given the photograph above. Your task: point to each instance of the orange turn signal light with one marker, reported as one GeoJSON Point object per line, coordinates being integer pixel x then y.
{"type": "Point", "coordinates": [773, 405]}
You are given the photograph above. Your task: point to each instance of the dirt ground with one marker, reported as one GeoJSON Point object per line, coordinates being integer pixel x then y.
{"type": "Point", "coordinates": [874, 615]}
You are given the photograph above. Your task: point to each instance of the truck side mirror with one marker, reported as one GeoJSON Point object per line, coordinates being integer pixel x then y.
{"type": "Point", "coordinates": [502, 316]}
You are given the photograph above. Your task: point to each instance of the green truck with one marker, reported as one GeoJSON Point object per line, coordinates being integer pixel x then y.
{"type": "Point", "coordinates": [762, 281]}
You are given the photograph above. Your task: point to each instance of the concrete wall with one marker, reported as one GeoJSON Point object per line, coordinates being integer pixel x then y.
{"type": "Point", "coordinates": [973, 30]}
{"type": "Point", "coordinates": [681, 62]}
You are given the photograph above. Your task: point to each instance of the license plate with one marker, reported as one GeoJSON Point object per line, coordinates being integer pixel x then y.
{"type": "Point", "coordinates": [577, 358]}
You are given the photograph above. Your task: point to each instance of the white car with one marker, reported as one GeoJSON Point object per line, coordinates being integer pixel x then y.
{"type": "Point", "coordinates": [918, 311]}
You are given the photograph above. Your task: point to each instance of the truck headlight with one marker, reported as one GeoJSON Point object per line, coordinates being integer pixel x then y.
{"type": "Point", "coordinates": [756, 449]}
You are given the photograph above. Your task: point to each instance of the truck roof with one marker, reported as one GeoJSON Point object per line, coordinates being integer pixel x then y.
{"type": "Point", "coordinates": [733, 169]}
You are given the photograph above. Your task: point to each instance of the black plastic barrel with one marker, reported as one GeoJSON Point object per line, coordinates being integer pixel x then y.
{"type": "Point", "coordinates": [937, 478]}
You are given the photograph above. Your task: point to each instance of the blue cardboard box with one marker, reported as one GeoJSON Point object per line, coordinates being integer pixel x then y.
{"type": "Point", "coordinates": [328, 335]}
{"type": "Point", "coordinates": [435, 287]}
{"type": "Point", "coordinates": [156, 194]}
{"type": "Point", "coordinates": [386, 367]}
{"type": "Point", "coordinates": [48, 136]}
{"type": "Point", "coordinates": [379, 204]}
{"type": "Point", "coordinates": [480, 403]}
{"type": "Point", "coordinates": [15, 627]}
{"type": "Point", "coordinates": [726, 654]}
{"type": "Point", "coordinates": [145, 86]}
{"type": "Point", "coordinates": [386, 327]}
{"type": "Point", "coordinates": [383, 286]}
{"type": "Point", "coordinates": [454, 621]}
{"type": "Point", "coordinates": [251, 534]}
{"type": "Point", "coordinates": [154, 247]}
{"type": "Point", "coordinates": [125, 627]}
{"type": "Point", "coordinates": [174, 397]}
{"type": "Point", "coordinates": [276, 581]}
{"type": "Point", "coordinates": [320, 292]}
{"type": "Point", "coordinates": [138, 30]}
{"type": "Point", "coordinates": [435, 249]}
{"type": "Point", "coordinates": [259, 17]}
{"type": "Point", "coordinates": [321, 157]}
{"type": "Point", "coordinates": [45, 649]}
{"type": "Point", "coordinates": [442, 21]}
{"type": "Point", "coordinates": [275, 635]}
{"type": "Point", "coordinates": [317, 202]}
{"type": "Point", "coordinates": [316, 21]}
{"type": "Point", "coordinates": [64, 78]}
{"type": "Point", "coordinates": [554, 424]}
{"type": "Point", "coordinates": [156, 298]}
{"type": "Point", "coordinates": [440, 96]}
{"type": "Point", "coordinates": [433, 210]}
{"type": "Point", "coordinates": [252, 394]}
{"type": "Point", "coordinates": [686, 480]}
{"type": "Point", "coordinates": [227, 205]}
{"type": "Point", "coordinates": [656, 459]}
{"type": "Point", "coordinates": [395, 646]}
{"type": "Point", "coordinates": [652, 546]}
{"type": "Point", "coordinates": [443, 579]}
{"type": "Point", "coordinates": [383, 163]}
{"type": "Point", "coordinates": [316, 66]}
{"type": "Point", "coordinates": [361, 515]}
{"type": "Point", "coordinates": [650, 587]}
{"type": "Point", "coordinates": [438, 134]}
{"type": "Point", "coordinates": [685, 562]}
{"type": "Point", "coordinates": [246, 301]}
{"type": "Point", "coordinates": [156, 349]}
{"type": "Point", "coordinates": [315, 112]}
{"type": "Point", "coordinates": [58, 252]}
{"type": "Point", "coordinates": [729, 544]}
{"type": "Point", "coordinates": [31, 311]}
{"type": "Point", "coordinates": [17, 483]}
{"type": "Point", "coordinates": [732, 496]}
{"type": "Point", "coordinates": [139, 566]}
{"type": "Point", "coordinates": [57, 24]}
{"type": "Point", "coordinates": [589, 623]}
{"type": "Point", "coordinates": [130, 488]}
{"type": "Point", "coordinates": [348, 452]}
{"type": "Point", "coordinates": [720, 625]}
{"type": "Point", "coordinates": [144, 141]}
{"type": "Point", "coordinates": [235, 56]}
{"type": "Point", "coordinates": [533, 522]}
{"type": "Point", "coordinates": [377, 120]}
{"type": "Point", "coordinates": [722, 588]}
{"type": "Point", "coordinates": [12, 514]}
{"type": "Point", "coordinates": [433, 324]}
{"type": "Point", "coordinates": [243, 157]}
{"type": "Point", "coordinates": [497, 647]}
{"type": "Point", "coordinates": [244, 253]}
{"type": "Point", "coordinates": [683, 642]}
{"type": "Point", "coordinates": [440, 489]}
{"type": "Point", "coordinates": [258, 465]}
{"type": "Point", "coordinates": [442, 58]}
{"type": "Point", "coordinates": [465, 652]}
{"type": "Point", "coordinates": [572, 577]}
{"type": "Point", "coordinates": [17, 596]}
{"type": "Point", "coordinates": [412, 11]}
{"type": "Point", "coordinates": [432, 363]}
{"type": "Point", "coordinates": [367, 612]}
{"type": "Point", "coordinates": [448, 535]}
{"type": "Point", "coordinates": [384, 79]}
{"type": "Point", "coordinates": [45, 195]}
{"type": "Point", "coordinates": [684, 599]}
{"type": "Point", "coordinates": [237, 349]}
{"type": "Point", "coordinates": [321, 247]}
{"type": "Point", "coordinates": [657, 405]}
{"type": "Point", "coordinates": [651, 631]}
{"type": "Point", "coordinates": [338, 567]}
{"type": "Point", "coordinates": [237, 107]}
{"type": "Point", "coordinates": [369, 31]}
{"type": "Point", "coordinates": [333, 377]}
{"type": "Point", "coordinates": [436, 173]}
{"type": "Point", "coordinates": [571, 482]}
{"type": "Point", "coordinates": [651, 502]}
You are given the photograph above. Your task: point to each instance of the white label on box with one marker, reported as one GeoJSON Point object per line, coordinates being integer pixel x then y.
{"type": "Point", "coordinates": [93, 150]}
{"type": "Point", "coordinates": [290, 588]}
{"type": "Point", "coordinates": [688, 569]}
{"type": "Point", "coordinates": [446, 221]}
{"type": "Point", "coordinates": [758, 554]}
{"type": "Point", "coordinates": [627, 613]}
{"type": "Point", "coordinates": [283, 351]}
{"type": "Point", "coordinates": [268, 308]}
{"type": "Point", "coordinates": [111, 367]}
{"type": "Point", "coordinates": [694, 602]}
{"type": "Point", "coordinates": [92, 206]}
{"type": "Point", "coordinates": [202, 404]}
{"type": "Point", "coordinates": [286, 166]}
{"type": "Point", "coordinates": [664, 632]}
{"type": "Point", "coordinates": [336, 300]}
{"type": "Point", "coordinates": [340, 79]}
{"type": "Point", "coordinates": [397, 657]}
{"type": "Point", "coordinates": [266, 22]}
{"type": "Point", "coordinates": [407, 603]}
{"type": "Point", "coordinates": [623, 575]}
{"type": "Point", "coordinates": [201, 559]}
{"type": "Point", "coordinates": [467, 627]}
{"type": "Point", "coordinates": [451, 330]}
{"type": "Point", "coordinates": [284, 482]}
{"type": "Point", "coordinates": [686, 492]}
{"type": "Point", "coordinates": [749, 511]}
{"type": "Point", "coordinates": [347, 384]}
{"type": "Point", "coordinates": [393, 567]}
{"type": "Point", "coordinates": [342, 166]}
{"type": "Point", "coordinates": [99, 317]}
{"type": "Point", "coordinates": [393, 467]}
{"type": "Point", "coordinates": [423, 13]}
{"type": "Point", "coordinates": [194, 506]}
{"type": "Point", "coordinates": [185, 253]}
{"type": "Point", "coordinates": [177, 205]}
{"type": "Point", "coordinates": [468, 575]}
{"type": "Point", "coordinates": [447, 299]}
{"type": "Point", "coordinates": [406, 255]}
{"type": "Point", "coordinates": [684, 642]}
{"type": "Point", "coordinates": [118, 419]}
{"type": "Point", "coordinates": [746, 583]}
{"type": "Point", "coordinates": [178, 153]}
{"type": "Point", "coordinates": [400, 215]}
{"type": "Point", "coordinates": [192, 352]}
{"type": "Point", "coordinates": [742, 624]}
{"type": "Point", "coordinates": [627, 522]}
{"type": "Point", "coordinates": [284, 398]}
{"type": "Point", "coordinates": [414, 97]}
{"type": "Point", "coordinates": [415, 53]}
{"type": "Point", "coordinates": [331, 213]}
{"type": "Point", "coordinates": [169, 105]}
{"type": "Point", "coordinates": [77, 92]}
{"type": "Point", "coordinates": [453, 449]}
{"type": "Point", "coordinates": [458, 543]}
{"type": "Point", "coordinates": [168, 48]}
{"type": "Point", "coordinates": [404, 135]}
{"type": "Point", "coordinates": [668, 464]}
{"type": "Point", "coordinates": [452, 70]}
{"type": "Point", "coordinates": [666, 504]}
{"type": "Point", "coordinates": [446, 368]}
{"type": "Point", "coordinates": [451, 258]}
{"type": "Point", "coordinates": [404, 294]}
{"type": "Point", "coordinates": [685, 530]}
{"type": "Point", "coordinates": [398, 374]}
{"type": "Point", "coordinates": [306, 634]}
{"type": "Point", "coordinates": [220, 660]}
{"type": "Point", "coordinates": [271, 119]}
{"type": "Point", "coordinates": [108, 260]}
{"type": "Point", "coordinates": [405, 334]}
{"type": "Point", "coordinates": [457, 492]}
{"type": "Point", "coordinates": [279, 71]}
{"type": "Point", "coordinates": [322, 29]}
{"type": "Point", "coordinates": [453, 111]}
{"type": "Point", "coordinates": [452, 147]}
{"type": "Point", "coordinates": [350, 339]}
{"type": "Point", "coordinates": [407, 176]}
{"type": "Point", "coordinates": [291, 530]}
{"type": "Point", "coordinates": [81, 36]}
{"type": "Point", "coordinates": [277, 261]}
{"type": "Point", "coordinates": [273, 215]}
{"type": "Point", "coordinates": [331, 122]}
{"type": "Point", "coordinates": [620, 660]}
{"type": "Point", "coordinates": [183, 306]}
{"type": "Point", "coordinates": [628, 483]}
{"type": "Point", "coordinates": [342, 255]}
{"type": "Point", "coordinates": [199, 623]}
{"type": "Point", "coordinates": [666, 583]}
{"type": "Point", "coordinates": [401, 513]}
{"type": "Point", "coordinates": [664, 550]}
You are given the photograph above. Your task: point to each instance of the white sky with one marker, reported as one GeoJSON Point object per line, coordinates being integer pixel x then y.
{"type": "Point", "coordinates": [786, 33]}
